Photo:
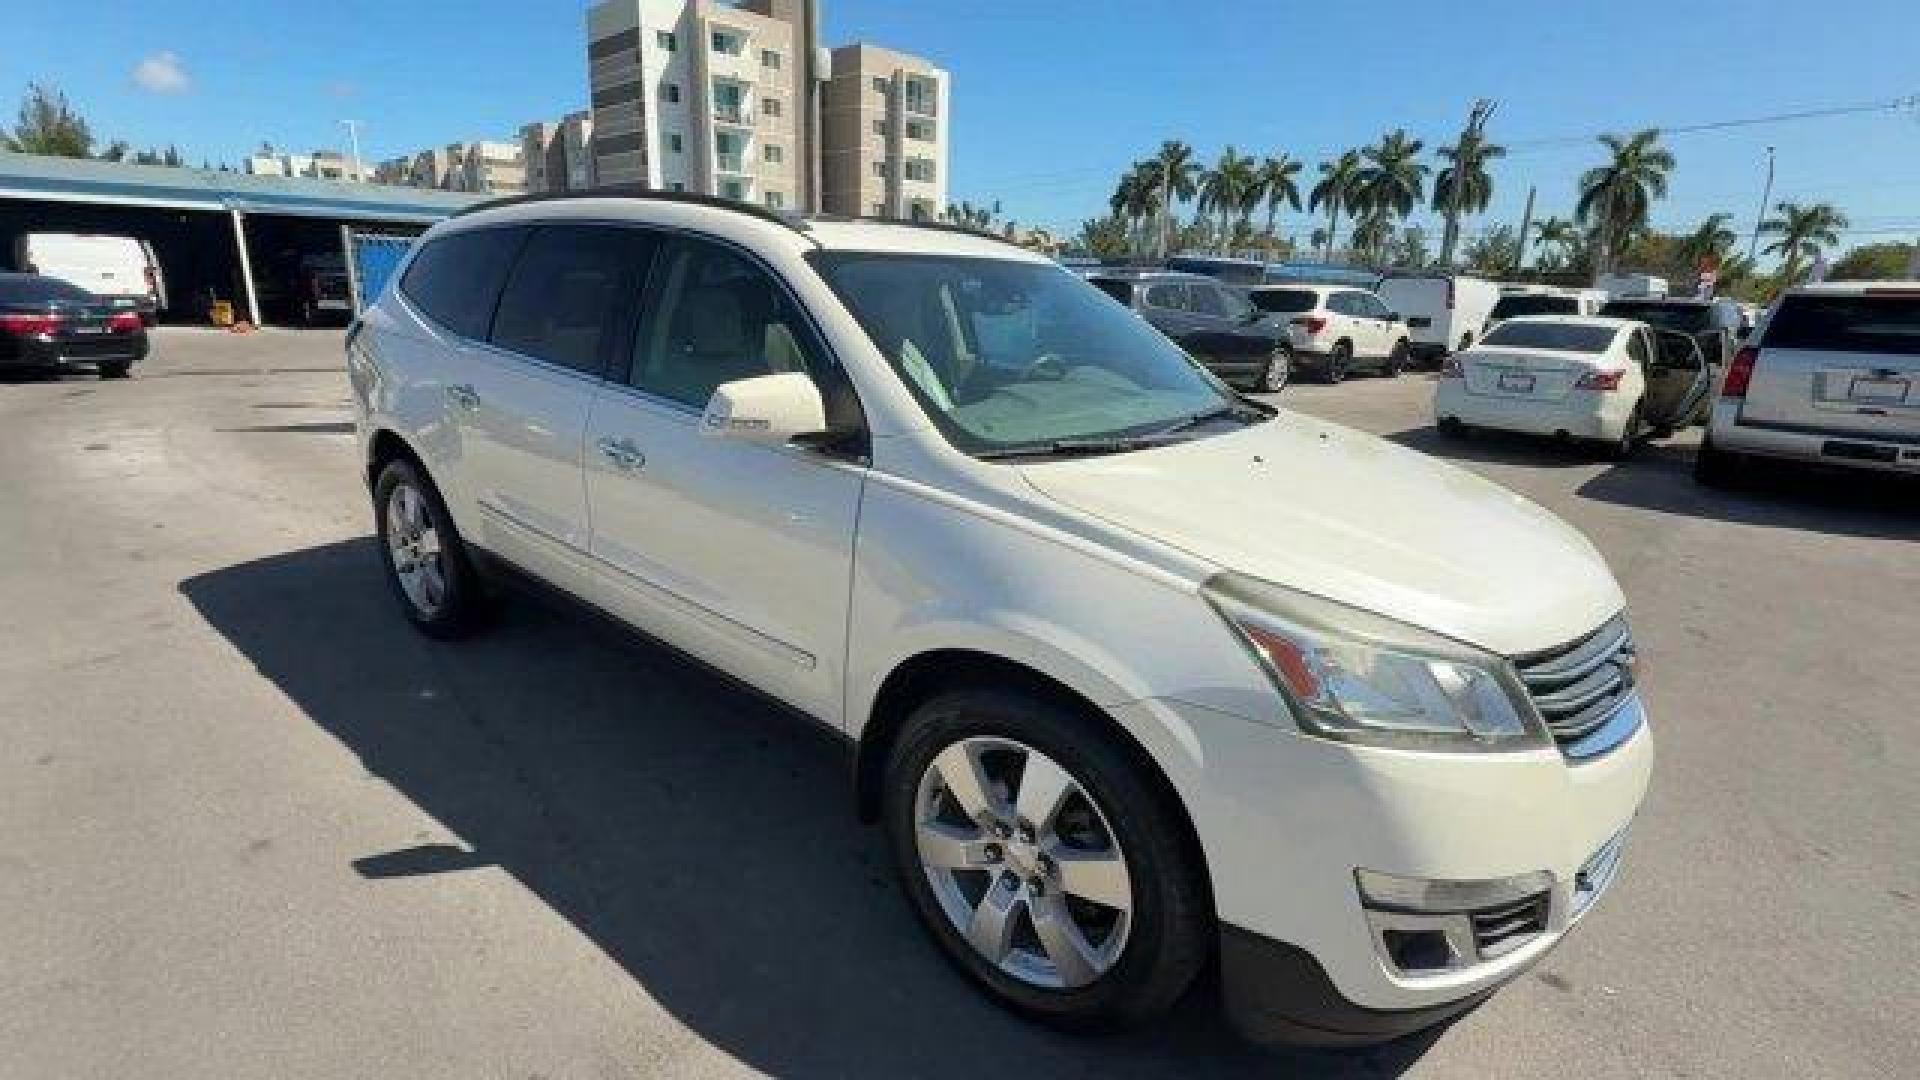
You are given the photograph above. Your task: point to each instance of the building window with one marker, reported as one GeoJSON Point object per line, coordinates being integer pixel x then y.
{"type": "Point", "coordinates": [880, 169]}
{"type": "Point", "coordinates": [733, 189]}
{"type": "Point", "coordinates": [769, 106]}
{"type": "Point", "coordinates": [880, 128]}
{"type": "Point", "coordinates": [773, 153]}
{"type": "Point", "coordinates": [879, 210]}
{"type": "Point", "coordinates": [728, 43]}
{"type": "Point", "coordinates": [771, 61]}
{"type": "Point", "coordinates": [671, 92]}
{"type": "Point", "coordinates": [920, 95]}
{"type": "Point", "coordinates": [775, 200]}
{"type": "Point", "coordinates": [919, 169]}
{"type": "Point", "coordinates": [879, 85]}
{"type": "Point", "coordinates": [665, 40]}
{"type": "Point", "coordinates": [920, 129]}
{"type": "Point", "coordinates": [674, 143]}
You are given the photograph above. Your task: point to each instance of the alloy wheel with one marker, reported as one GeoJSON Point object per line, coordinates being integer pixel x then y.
{"type": "Point", "coordinates": [1023, 862]}
{"type": "Point", "coordinates": [1279, 366]}
{"type": "Point", "coordinates": [414, 550]}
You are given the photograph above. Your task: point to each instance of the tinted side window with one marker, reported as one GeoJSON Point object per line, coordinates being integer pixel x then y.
{"type": "Point", "coordinates": [569, 296]}
{"type": "Point", "coordinates": [1167, 295]}
{"type": "Point", "coordinates": [1206, 299]}
{"type": "Point", "coordinates": [713, 317]}
{"type": "Point", "coordinates": [1886, 323]}
{"type": "Point", "coordinates": [456, 279]}
{"type": "Point", "coordinates": [1340, 303]}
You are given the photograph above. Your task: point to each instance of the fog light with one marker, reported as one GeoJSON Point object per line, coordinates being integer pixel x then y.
{"type": "Point", "coordinates": [1390, 892]}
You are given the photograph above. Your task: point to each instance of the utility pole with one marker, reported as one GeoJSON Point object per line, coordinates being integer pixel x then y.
{"type": "Point", "coordinates": [1476, 125]}
{"type": "Point", "coordinates": [1526, 224]}
{"type": "Point", "coordinates": [1766, 195]}
{"type": "Point", "coordinates": [353, 138]}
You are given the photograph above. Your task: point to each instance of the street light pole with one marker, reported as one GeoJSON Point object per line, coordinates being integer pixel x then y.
{"type": "Point", "coordinates": [1766, 195]}
{"type": "Point", "coordinates": [353, 137]}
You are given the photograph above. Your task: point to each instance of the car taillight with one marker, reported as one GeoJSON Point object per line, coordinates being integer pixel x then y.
{"type": "Point", "coordinates": [124, 322]}
{"type": "Point", "coordinates": [1601, 380]}
{"type": "Point", "coordinates": [1313, 324]}
{"type": "Point", "coordinates": [1740, 373]}
{"type": "Point", "coordinates": [28, 325]}
{"type": "Point", "coordinates": [1450, 369]}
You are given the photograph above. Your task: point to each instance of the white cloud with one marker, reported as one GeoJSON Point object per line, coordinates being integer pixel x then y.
{"type": "Point", "coordinates": [162, 73]}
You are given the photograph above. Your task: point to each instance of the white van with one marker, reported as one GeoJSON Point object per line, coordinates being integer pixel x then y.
{"type": "Point", "coordinates": [1444, 312]}
{"type": "Point", "coordinates": [1518, 300]}
{"type": "Point", "coordinates": [1619, 286]}
{"type": "Point", "coordinates": [121, 269]}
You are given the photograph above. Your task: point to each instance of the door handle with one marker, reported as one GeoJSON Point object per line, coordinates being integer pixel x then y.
{"type": "Point", "coordinates": [463, 395]}
{"type": "Point", "coordinates": [622, 453]}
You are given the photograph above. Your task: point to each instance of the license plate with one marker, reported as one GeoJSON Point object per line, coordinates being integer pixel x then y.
{"type": "Point", "coordinates": [121, 301]}
{"type": "Point", "coordinates": [1879, 391]}
{"type": "Point", "coordinates": [1516, 382]}
{"type": "Point", "coordinates": [89, 329]}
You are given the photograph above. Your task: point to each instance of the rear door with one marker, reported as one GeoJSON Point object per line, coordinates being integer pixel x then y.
{"type": "Point", "coordinates": [1380, 326]}
{"type": "Point", "coordinates": [1677, 379]}
{"type": "Point", "coordinates": [1845, 363]}
{"type": "Point", "coordinates": [1168, 307]}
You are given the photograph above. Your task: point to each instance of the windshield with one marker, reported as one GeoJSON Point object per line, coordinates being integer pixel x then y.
{"type": "Point", "coordinates": [1285, 301]}
{"type": "Point", "coordinates": [1514, 305]}
{"type": "Point", "coordinates": [1686, 318]}
{"type": "Point", "coordinates": [1007, 356]}
{"type": "Point", "coordinates": [31, 289]}
{"type": "Point", "coordinates": [1564, 337]}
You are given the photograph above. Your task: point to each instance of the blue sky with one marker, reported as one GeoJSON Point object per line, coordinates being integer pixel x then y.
{"type": "Point", "coordinates": [1051, 100]}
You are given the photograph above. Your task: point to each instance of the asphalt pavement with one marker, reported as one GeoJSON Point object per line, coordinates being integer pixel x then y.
{"type": "Point", "coordinates": [251, 825]}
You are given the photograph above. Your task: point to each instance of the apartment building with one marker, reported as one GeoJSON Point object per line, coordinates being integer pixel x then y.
{"type": "Point", "coordinates": [536, 145]}
{"type": "Point", "coordinates": [884, 135]}
{"type": "Point", "coordinates": [571, 155]}
{"type": "Point", "coordinates": [319, 165]}
{"type": "Point", "coordinates": [495, 168]}
{"type": "Point", "coordinates": [699, 95]}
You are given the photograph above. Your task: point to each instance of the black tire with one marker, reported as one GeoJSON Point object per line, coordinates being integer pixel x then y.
{"type": "Point", "coordinates": [1452, 428]}
{"type": "Point", "coordinates": [1338, 361]}
{"type": "Point", "coordinates": [118, 370]}
{"type": "Point", "coordinates": [1397, 359]}
{"type": "Point", "coordinates": [463, 605]}
{"type": "Point", "coordinates": [1279, 369]}
{"type": "Point", "coordinates": [1622, 448]}
{"type": "Point", "coordinates": [1717, 468]}
{"type": "Point", "coordinates": [1170, 936]}
{"type": "Point", "coordinates": [1466, 342]}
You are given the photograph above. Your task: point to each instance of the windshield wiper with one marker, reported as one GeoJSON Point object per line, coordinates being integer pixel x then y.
{"type": "Point", "coordinates": [1075, 448]}
{"type": "Point", "coordinates": [1223, 412]}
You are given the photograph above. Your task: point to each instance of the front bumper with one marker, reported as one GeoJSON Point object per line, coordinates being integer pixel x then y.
{"type": "Point", "coordinates": [1286, 820]}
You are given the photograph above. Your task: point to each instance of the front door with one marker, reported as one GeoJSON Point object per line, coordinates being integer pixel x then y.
{"type": "Point", "coordinates": [1677, 379]}
{"type": "Point", "coordinates": [740, 554]}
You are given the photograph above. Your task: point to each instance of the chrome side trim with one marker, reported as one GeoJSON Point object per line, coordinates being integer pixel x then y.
{"type": "Point", "coordinates": [1619, 726]}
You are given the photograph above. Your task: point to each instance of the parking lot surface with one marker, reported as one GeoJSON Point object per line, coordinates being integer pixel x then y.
{"type": "Point", "coordinates": [252, 825]}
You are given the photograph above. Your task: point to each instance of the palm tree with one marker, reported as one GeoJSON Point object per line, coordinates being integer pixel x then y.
{"type": "Point", "coordinates": [1556, 236]}
{"type": "Point", "coordinates": [1467, 160]}
{"type": "Point", "coordinates": [1394, 178]}
{"type": "Point", "coordinates": [1278, 185]}
{"type": "Point", "coordinates": [1138, 199]}
{"type": "Point", "coordinates": [1617, 196]}
{"type": "Point", "coordinates": [1804, 231]}
{"type": "Point", "coordinates": [1228, 190]}
{"type": "Point", "coordinates": [1372, 229]}
{"type": "Point", "coordinates": [1339, 185]}
{"type": "Point", "coordinates": [1175, 176]}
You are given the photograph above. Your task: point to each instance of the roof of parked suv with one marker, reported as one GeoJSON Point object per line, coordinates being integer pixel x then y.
{"type": "Point", "coordinates": [1150, 273]}
{"type": "Point", "coordinates": [1856, 288]}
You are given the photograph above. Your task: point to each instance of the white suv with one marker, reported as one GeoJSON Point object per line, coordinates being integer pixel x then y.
{"type": "Point", "coordinates": [1135, 673]}
{"type": "Point", "coordinates": [1334, 331]}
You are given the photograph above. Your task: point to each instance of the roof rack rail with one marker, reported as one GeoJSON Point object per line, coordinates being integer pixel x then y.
{"type": "Point", "coordinates": [916, 223]}
{"type": "Point", "coordinates": [640, 191]}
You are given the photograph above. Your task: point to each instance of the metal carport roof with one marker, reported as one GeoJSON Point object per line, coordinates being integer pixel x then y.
{"type": "Point", "coordinates": [112, 183]}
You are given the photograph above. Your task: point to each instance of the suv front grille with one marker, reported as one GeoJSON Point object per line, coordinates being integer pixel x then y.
{"type": "Point", "coordinates": [1579, 687]}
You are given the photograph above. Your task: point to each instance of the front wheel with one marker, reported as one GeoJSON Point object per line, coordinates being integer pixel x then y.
{"type": "Point", "coordinates": [1338, 361]}
{"type": "Point", "coordinates": [1397, 359]}
{"type": "Point", "coordinates": [426, 561]}
{"type": "Point", "coordinates": [1044, 861]}
{"type": "Point", "coordinates": [1279, 369]}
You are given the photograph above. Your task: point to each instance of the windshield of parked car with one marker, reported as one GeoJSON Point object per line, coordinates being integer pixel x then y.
{"type": "Point", "coordinates": [1514, 305]}
{"type": "Point", "coordinates": [35, 289]}
{"type": "Point", "coordinates": [1013, 357]}
{"type": "Point", "coordinates": [1564, 337]}
{"type": "Point", "coordinates": [1285, 301]}
{"type": "Point", "coordinates": [1888, 323]}
{"type": "Point", "coordinates": [1686, 318]}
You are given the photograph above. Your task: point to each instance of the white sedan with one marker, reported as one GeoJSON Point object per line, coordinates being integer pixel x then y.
{"type": "Point", "coordinates": [1609, 381]}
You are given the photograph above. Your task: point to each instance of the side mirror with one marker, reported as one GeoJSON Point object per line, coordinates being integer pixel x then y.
{"type": "Point", "coordinates": [769, 409]}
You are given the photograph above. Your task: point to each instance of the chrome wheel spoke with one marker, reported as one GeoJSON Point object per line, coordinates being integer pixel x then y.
{"type": "Point", "coordinates": [991, 930]}
{"type": "Point", "coordinates": [433, 586]}
{"type": "Point", "coordinates": [1099, 876]}
{"type": "Point", "coordinates": [1044, 785]}
{"type": "Point", "coordinates": [1061, 940]}
{"type": "Point", "coordinates": [960, 774]}
{"type": "Point", "coordinates": [430, 543]}
{"type": "Point", "coordinates": [953, 847]}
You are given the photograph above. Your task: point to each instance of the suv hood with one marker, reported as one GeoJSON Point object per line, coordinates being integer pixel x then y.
{"type": "Point", "coordinates": [1330, 511]}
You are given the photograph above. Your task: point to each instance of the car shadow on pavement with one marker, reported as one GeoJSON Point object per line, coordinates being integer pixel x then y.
{"type": "Point", "coordinates": [1659, 477]}
{"type": "Point", "coordinates": [1503, 447]}
{"type": "Point", "coordinates": [699, 836]}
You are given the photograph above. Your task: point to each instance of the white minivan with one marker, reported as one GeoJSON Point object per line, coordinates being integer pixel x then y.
{"type": "Point", "coordinates": [122, 270]}
{"type": "Point", "coordinates": [1445, 313]}
{"type": "Point", "coordinates": [1141, 678]}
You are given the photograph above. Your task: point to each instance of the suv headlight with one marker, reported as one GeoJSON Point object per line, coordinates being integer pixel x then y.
{"type": "Point", "coordinates": [1358, 677]}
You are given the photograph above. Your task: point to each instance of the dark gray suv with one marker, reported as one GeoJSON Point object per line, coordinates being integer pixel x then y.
{"type": "Point", "coordinates": [1215, 323]}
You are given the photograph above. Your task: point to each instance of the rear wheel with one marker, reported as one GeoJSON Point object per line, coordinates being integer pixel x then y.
{"type": "Point", "coordinates": [1717, 468]}
{"type": "Point", "coordinates": [119, 369]}
{"type": "Point", "coordinates": [1622, 448]}
{"type": "Point", "coordinates": [1452, 428]}
{"type": "Point", "coordinates": [1397, 359]}
{"type": "Point", "coordinates": [1466, 342]}
{"type": "Point", "coordinates": [1339, 361]}
{"type": "Point", "coordinates": [1049, 868]}
{"type": "Point", "coordinates": [427, 563]}
{"type": "Point", "coordinates": [1279, 369]}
